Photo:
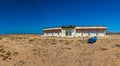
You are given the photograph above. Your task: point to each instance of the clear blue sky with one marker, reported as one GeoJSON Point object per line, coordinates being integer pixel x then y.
{"type": "Point", "coordinates": [31, 16]}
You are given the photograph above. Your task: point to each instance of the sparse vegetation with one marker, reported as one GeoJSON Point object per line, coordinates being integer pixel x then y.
{"type": "Point", "coordinates": [35, 50]}
{"type": "Point", "coordinates": [117, 45]}
{"type": "Point", "coordinates": [31, 40]}
{"type": "Point", "coordinates": [67, 43]}
{"type": "Point", "coordinates": [54, 43]}
{"type": "Point", "coordinates": [5, 54]}
{"type": "Point", "coordinates": [0, 38]}
{"type": "Point", "coordinates": [103, 48]}
{"type": "Point", "coordinates": [61, 40]}
{"type": "Point", "coordinates": [69, 48]}
{"type": "Point", "coordinates": [15, 53]}
{"type": "Point", "coordinates": [118, 55]}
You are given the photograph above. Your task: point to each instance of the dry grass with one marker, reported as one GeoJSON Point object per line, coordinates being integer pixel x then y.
{"type": "Point", "coordinates": [37, 50]}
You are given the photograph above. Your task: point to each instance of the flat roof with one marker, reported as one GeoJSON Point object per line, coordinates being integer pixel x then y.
{"type": "Point", "coordinates": [52, 28]}
{"type": "Point", "coordinates": [77, 27]}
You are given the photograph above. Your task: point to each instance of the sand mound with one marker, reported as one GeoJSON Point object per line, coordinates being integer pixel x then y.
{"type": "Point", "coordinates": [36, 50]}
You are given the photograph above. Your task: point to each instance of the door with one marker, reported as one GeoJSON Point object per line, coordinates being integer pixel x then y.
{"type": "Point", "coordinates": [68, 32]}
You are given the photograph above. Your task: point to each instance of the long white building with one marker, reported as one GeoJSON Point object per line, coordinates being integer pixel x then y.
{"type": "Point", "coordinates": [78, 31]}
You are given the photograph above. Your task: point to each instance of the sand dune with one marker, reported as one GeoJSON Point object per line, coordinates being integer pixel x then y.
{"type": "Point", "coordinates": [37, 50]}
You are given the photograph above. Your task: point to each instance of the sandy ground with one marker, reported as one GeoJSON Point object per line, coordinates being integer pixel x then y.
{"type": "Point", "coordinates": [36, 50]}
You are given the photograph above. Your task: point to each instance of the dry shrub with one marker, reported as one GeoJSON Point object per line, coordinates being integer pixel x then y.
{"type": "Point", "coordinates": [117, 45]}
{"type": "Point", "coordinates": [6, 54]}
{"type": "Point", "coordinates": [67, 43]}
{"type": "Point", "coordinates": [31, 40]}
{"type": "Point", "coordinates": [0, 38]}
{"type": "Point", "coordinates": [54, 43]}
{"type": "Point", "coordinates": [118, 55]}
{"type": "Point", "coordinates": [103, 48]}
{"type": "Point", "coordinates": [61, 40]}
{"type": "Point", "coordinates": [15, 53]}
{"type": "Point", "coordinates": [69, 48]}
{"type": "Point", "coordinates": [1, 46]}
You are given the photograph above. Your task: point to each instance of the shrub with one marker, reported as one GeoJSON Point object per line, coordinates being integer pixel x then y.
{"type": "Point", "coordinates": [31, 40]}
{"type": "Point", "coordinates": [117, 45]}
{"type": "Point", "coordinates": [67, 43]}
{"type": "Point", "coordinates": [1, 49]}
{"type": "Point", "coordinates": [103, 48]}
{"type": "Point", "coordinates": [68, 48]}
{"type": "Point", "coordinates": [53, 43]}
{"type": "Point", "coordinates": [61, 40]}
{"type": "Point", "coordinates": [15, 53]}
{"type": "Point", "coordinates": [0, 38]}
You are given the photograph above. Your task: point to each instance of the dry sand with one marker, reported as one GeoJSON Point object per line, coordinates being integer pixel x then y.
{"type": "Point", "coordinates": [36, 50]}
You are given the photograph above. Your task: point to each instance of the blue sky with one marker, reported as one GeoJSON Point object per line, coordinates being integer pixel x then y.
{"type": "Point", "coordinates": [31, 16]}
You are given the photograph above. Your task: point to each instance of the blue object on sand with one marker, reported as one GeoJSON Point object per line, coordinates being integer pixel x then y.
{"type": "Point", "coordinates": [92, 40]}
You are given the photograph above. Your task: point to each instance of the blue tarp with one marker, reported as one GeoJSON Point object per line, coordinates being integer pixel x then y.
{"type": "Point", "coordinates": [92, 40]}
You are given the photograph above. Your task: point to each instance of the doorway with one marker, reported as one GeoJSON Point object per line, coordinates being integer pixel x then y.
{"type": "Point", "coordinates": [68, 32]}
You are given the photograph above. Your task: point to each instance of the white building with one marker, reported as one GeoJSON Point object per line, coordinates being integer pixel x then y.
{"type": "Point", "coordinates": [71, 31]}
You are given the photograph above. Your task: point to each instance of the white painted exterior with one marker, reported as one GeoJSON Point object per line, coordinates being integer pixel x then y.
{"type": "Point", "coordinates": [51, 28]}
{"type": "Point", "coordinates": [63, 33]}
{"type": "Point", "coordinates": [55, 33]}
{"type": "Point", "coordinates": [85, 33]}
{"type": "Point", "coordinates": [78, 33]}
{"type": "Point", "coordinates": [45, 34]}
{"type": "Point", "coordinates": [49, 34]}
{"type": "Point", "coordinates": [75, 32]}
{"type": "Point", "coordinates": [93, 32]}
{"type": "Point", "coordinates": [100, 33]}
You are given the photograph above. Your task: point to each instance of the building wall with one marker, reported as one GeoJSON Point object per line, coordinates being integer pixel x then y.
{"type": "Point", "coordinates": [63, 32]}
{"type": "Point", "coordinates": [49, 33]}
{"type": "Point", "coordinates": [74, 33]}
{"type": "Point", "coordinates": [101, 32]}
{"type": "Point", "coordinates": [55, 32]}
{"type": "Point", "coordinates": [93, 32]}
{"type": "Point", "coordinates": [45, 34]}
{"type": "Point", "coordinates": [79, 32]}
{"type": "Point", "coordinates": [85, 32]}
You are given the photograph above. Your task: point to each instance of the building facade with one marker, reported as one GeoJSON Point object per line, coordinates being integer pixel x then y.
{"type": "Point", "coordinates": [78, 31]}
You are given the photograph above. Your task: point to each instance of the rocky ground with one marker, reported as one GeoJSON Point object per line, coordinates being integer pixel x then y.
{"type": "Point", "coordinates": [37, 50]}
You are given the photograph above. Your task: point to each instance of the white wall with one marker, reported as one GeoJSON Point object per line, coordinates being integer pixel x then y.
{"type": "Point", "coordinates": [85, 32]}
{"type": "Point", "coordinates": [55, 33]}
{"type": "Point", "coordinates": [63, 33]}
{"type": "Point", "coordinates": [73, 33]}
{"type": "Point", "coordinates": [45, 34]}
{"type": "Point", "coordinates": [101, 33]}
{"type": "Point", "coordinates": [49, 33]}
{"type": "Point", "coordinates": [93, 33]}
{"type": "Point", "coordinates": [78, 33]}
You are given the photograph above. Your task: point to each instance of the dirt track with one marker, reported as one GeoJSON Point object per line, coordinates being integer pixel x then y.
{"type": "Point", "coordinates": [36, 50]}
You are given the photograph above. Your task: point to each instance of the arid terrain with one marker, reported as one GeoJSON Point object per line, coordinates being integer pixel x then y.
{"type": "Point", "coordinates": [37, 50]}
